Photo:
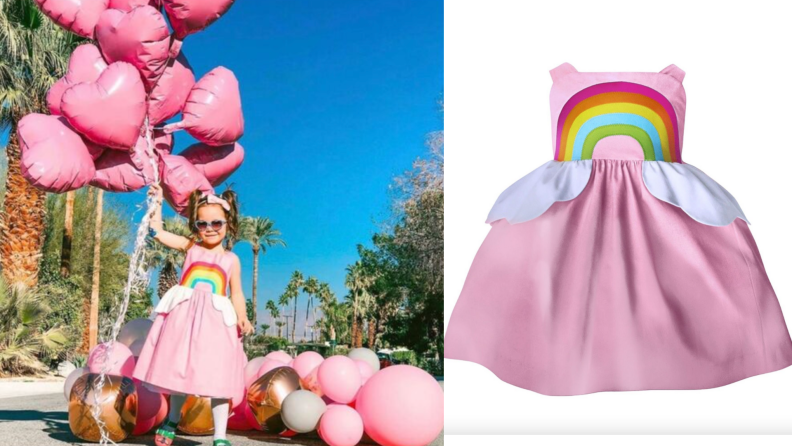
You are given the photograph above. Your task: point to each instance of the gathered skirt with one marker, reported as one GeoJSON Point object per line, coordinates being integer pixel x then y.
{"type": "Point", "coordinates": [190, 350]}
{"type": "Point", "coordinates": [617, 290]}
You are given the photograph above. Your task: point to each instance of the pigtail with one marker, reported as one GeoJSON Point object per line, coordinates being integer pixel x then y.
{"type": "Point", "coordinates": [192, 213]}
{"type": "Point", "coordinates": [232, 216]}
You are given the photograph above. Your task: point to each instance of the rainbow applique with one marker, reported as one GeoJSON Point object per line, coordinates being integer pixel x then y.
{"type": "Point", "coordinates": [618, 108]}
{"type": "Point", "coordinates": [202, 272]}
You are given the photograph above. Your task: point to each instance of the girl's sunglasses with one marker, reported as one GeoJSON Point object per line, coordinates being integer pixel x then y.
{"type": "Point", "coordinates": [203, 225]}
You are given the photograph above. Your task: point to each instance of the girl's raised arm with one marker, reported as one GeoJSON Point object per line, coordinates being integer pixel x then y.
{"type": "Point", "coordinates": [168, 239]}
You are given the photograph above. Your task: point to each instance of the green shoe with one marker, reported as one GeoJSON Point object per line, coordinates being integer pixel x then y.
{"type": "Point", "coordinates": [164, 437]}
{"type": "Point", "coordinates": [221, 442]}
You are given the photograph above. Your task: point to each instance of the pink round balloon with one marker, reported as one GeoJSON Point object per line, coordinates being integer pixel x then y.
{"type": "Point", "coordinates": [216, 163]}
{"type": "Point", "coordinates": [213, 112]}
{"type": "Point", "coordinates": [85, 65]}
{"type": "Point", "coordinates": [251, 370]}
{"type": "Point", "coordinates": [251, 419]}
{"type": "Point", "coordinates": [366, 371]}
{"type": "Point", "coordinates": [168, 96]}
{"type": "Point", "coordinates": [139, 37]}
{"type": "Point", "coordinates": [341, 425]}
{"type": "Point", "coordinates": [128, 5]}
{"type": "Point", "coordinates": [118, 171]}
{"type": "Point", "coordinates": [120, 362]}
{"type": "Point", "coordinates": [179, 180]}
{"type": "Point", "coordinates": [54, 157]}
{"type": "Point", "coordinates": [109, 112]}
{"type": "Point", "coordinates": [238, 421]}
{"type": "Point", "coordinates": [267, 365]}
{"type": "Point", "coordinates": [279, 355]}
{"type": "Point", "coordinates": [152, 408]}
{"type": "Point", "coordinates": [339, 378]}
{"type": "Point", "coordinates": [190, 16]}
{"type": "Point", "coordinates": [77, 16]}
{"type": "Point", "coordinates": [311, 383]}
{"type": "Point", "coordinates": [305, 362]}
{"type": "Point", "coordinates": [401, 405]}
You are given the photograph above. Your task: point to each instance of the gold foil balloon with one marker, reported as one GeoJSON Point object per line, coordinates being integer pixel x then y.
{"type": "Point", "coordinates": [196, 416]}
{"type": "Point", "coordinates": [266, 394]}
{"type": "Point", "coordinates": [117, 402]}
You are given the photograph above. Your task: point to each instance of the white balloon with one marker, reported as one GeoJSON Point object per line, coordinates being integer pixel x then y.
{"type": "Point", "coordinates": [71, 379]}
{"type": "Point", "coordinates": [134, 330]}
{"type": "Point", "coordinates": [301, 411]}
{"type": "Point", "coordinates": [365, 354]}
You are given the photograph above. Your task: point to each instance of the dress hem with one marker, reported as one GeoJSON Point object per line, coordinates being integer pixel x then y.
{"type": "Point", "coordinates": [714, 386]}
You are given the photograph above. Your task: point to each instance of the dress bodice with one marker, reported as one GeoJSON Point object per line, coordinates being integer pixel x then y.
{"type": "Point", "coordinates": [606, 110]}
{"type": "Point", "coordinates": [206, 269]}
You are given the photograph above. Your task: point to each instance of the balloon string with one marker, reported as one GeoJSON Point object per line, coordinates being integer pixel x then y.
{"type": "Point", "coordinates": [137, 279]}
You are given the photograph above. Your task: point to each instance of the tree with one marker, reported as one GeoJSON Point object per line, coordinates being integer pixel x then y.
{"type": "Point", "coordinates": [274, 313]}
{"type": "Point", "coordinates": [68, 234]}
{"type": "Point", "coordinates": [357, 281]}
{"type": "Point", "coordinates": [93, 306]}
{"type": "Point", "coordinates": [22, 336]}
{"type": "Point", "coordinates": [283, 301]}
{"type": "Point", "coordinates": [261, 234]}
{"type": "Point", "coordinates": [34, 53]}
{"type": "Point", "coordinates": [293, 292]}
{"type": "Point", "coordinates": [168, 260]}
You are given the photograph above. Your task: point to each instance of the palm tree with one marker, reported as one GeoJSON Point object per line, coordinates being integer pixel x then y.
{"type": "Point", "coordinates": [68, 232]}
{"type": "Point", "coordinates": [22, 338]}
{"type": "Point", "coordinates": [283, 300]}
{"type": "Point", "coordinates": [358, 282]}
{"type": "Point", "coordinates": [34, 53]}
{"type": "Point", "coordinates": [93, 315]}
{"type": "Point", "coordinates": [293, 291]}
{"type": "Point", "coordinates": [167, 259]}
{"type": "Point", "coordinates": [311, 288]}
{"type": "Point", "coordinates": [273, 311]}
{"type": "Point", "coordinates": [261, 234]}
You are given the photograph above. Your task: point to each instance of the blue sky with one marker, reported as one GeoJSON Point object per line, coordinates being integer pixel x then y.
{"type": "Point", "coordinates": [338, 97]}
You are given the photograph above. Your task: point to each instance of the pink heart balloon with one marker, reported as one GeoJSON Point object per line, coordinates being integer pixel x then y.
{"type": "Point", "coordinates": [110, 111]}
{"type": "Point", "coordinates": [54, 156]}
{"type": "Point", "coordinates": [179, 180]}
{"type": "Point", "coordinates": [190, 16]}
{"type": "Point", "coordinates": [128, 5]}
{"type": "Point", "coordinates": [94, 149]}
{"type": "Point", "coordinates": [139, 37]}
{"type": "Point", "coordinates": [215, 163]}
{"type": "Point", "coordinates": [77, 16]}
{"type": "Point", "coordinates": [85, 65]}
{"type": "Point", "coordinates": [121, 171]}
{"type": "Point", "coordinates": [213, 112]}
{"type": "Point", "coordinates": [168, 96]}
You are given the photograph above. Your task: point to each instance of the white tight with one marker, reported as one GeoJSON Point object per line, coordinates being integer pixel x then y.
{"type": "Point", "coordinates": [219, 413]}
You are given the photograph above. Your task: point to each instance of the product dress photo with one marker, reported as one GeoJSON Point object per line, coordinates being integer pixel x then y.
{"type": "Point", "coordinates": [617, 266]}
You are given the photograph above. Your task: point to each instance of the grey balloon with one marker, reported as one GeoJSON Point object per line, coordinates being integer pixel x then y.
{"type": "Point", "coordinates": [301, 411]}
{"type": "Point", "coordinates": [367, 355]}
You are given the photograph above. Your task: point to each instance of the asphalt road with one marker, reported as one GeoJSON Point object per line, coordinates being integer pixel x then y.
{"type": "Point", "coordinates": [42, 420]}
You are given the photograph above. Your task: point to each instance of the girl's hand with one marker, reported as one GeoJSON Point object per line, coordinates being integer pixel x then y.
{"type": "Point", "coordinates": [245, 326]}
{"type": "Point", "coordinates": [155, 191]}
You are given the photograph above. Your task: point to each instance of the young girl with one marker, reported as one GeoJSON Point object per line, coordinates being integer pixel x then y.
{"type": "Point", "coordinates": [194, 345]}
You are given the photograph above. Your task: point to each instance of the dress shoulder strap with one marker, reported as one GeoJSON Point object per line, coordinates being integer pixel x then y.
{"type": "Point", "coordinates": [561, 71]}
{"type": "Point", "coordinates": [674, 71]}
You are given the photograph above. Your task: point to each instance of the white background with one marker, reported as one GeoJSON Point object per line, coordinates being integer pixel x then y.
{"type": "Point", "coordinates": [498, 54]}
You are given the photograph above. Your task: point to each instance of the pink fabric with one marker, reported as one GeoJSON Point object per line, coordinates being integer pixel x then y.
{"type": "Point", "coordinates": [617, 290]}
{"type": "Point", "coordinates": [567, 81]}
{"type": "Point", "coordinates": [190, 350]}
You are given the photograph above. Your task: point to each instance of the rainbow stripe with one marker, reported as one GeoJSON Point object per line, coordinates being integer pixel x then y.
{"type": "Point", "coordinates": [618, 108]}
{"type": "Point", "coordinates": [202, 272]}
